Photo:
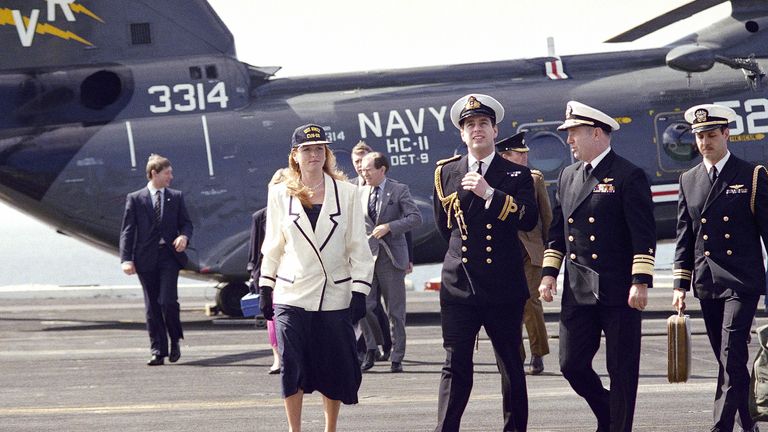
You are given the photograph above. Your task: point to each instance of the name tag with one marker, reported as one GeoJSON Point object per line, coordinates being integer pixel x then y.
{"type": "Point", "coordinates": [604, 188]}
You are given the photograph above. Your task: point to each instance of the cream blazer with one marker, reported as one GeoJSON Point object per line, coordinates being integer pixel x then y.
{"type": "Point", "coordinates": [316, 270]}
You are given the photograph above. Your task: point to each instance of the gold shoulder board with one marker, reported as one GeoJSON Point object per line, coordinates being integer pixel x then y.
{"type": "Point", "coordinates": [537, 173]}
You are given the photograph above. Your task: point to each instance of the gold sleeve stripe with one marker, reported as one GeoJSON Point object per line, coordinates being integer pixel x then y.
{"type": "Point", "coordinates": [682, 274]}
{"type": "Point", "coordinates": [554, 252]}
{"type": "Point", "coordinates": [642, 268]}
{"type": "Point", "coordinates": [552, 258]}
{"type": "Point", "coordinates": [508, 207]}
{"type": "Point", "coordinates": [641, 257]}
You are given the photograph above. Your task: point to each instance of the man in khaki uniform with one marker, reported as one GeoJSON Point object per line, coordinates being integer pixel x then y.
{"type": "Point", "coordinates": [514, 150]}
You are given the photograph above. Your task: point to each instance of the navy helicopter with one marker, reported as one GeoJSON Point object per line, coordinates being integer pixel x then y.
{"type": "Point", "coordinates": [88, 89]}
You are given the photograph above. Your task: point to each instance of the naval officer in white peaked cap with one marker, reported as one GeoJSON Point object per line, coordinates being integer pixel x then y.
{"type": "Point", "coordinates": [577, 114]}
{"type": "Point", "coordinates": [481, 202]}
{"type": "Point", "coordinates": [603, 233]}
{"type": "Point", "coordinates": [722, 214]}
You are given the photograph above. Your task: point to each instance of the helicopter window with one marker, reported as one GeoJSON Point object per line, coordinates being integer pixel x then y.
{"type": "Point", "coordinates": [211, 72]}
{"type": "Point", "coordinates": [195, 72]}
{"type": "Point", "coordinates": [678, 142]}
{"type": "Point", "coordinates": [548, 153]}
{"type": "Point", "coordinates": [140, 34]}
{"type": "Point", "coordinates": [100, 89]}
{"type": "Point", "coordinates": [752, 26]}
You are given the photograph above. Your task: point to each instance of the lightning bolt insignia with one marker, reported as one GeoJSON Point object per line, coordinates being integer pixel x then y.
{"type": "Point", "coordinates": [76, 7]}
{"type": "Point", "coordinates": [6, 18]}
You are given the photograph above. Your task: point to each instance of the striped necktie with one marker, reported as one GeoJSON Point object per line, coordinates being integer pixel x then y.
{"type": "Point", "coordinates": [158, 207]}
{"type": "Point", "coordinates": [374, 199]}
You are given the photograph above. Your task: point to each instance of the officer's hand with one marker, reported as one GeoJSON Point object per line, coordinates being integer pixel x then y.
{"type": "Point", "coordinates": [265, 303]}
{"type": "Point", "coordinates": [409, 270]}
{"type": "Point", "coordinates": [357, 306]}
{"type": "Point", "coordinates": [380, 231]}
{"type": "Point", "coordinates": [678, 299]}
{"type": "Point", "coordinates": [548, 288]}
{"type": "Point", "coordinates": [180, 244]}
{"type": "Point", "coordinates": [128, 268]}
{"type": "Point", "coordinates": [638, 296]}
{"type": "Point", "coordinates": [252, 288]}
{"type": "Point", "coordinates": [474, 182]}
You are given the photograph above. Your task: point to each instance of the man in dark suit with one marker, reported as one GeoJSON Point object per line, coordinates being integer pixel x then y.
{"type": "Point", "coordinates": [155, 233]}
{"type": "Point", "coordinates": [722, 214]}
{"type": "Point", "coordinates": [603, 228]}
{"type": "Point", "coordinates": [481, 200]}
{"type": "Point", "coordinates": [390, 213]}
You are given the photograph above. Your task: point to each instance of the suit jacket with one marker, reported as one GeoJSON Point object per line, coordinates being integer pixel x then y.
{"type": "Point", "coordinates": [484, 263]}
{"type": "Point", "coordinates": [533, 241]}
{"type": "Point", "coordinates": [258, 226]}
{"type": "Point", "coordinates": [408, 234]}
{"type": "Point", "coordinates": [140, 234]}
{"type": "Point", "coordinates": [605, 230]}
{"type": "Point", "coordinates": [397, 209]}
{"type": "Point", "coordinates": [316, 269]}
{"type": "Point", "coordinates": [719, 229]}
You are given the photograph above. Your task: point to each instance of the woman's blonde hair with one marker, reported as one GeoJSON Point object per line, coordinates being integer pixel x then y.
{"type": "Point", "coordinates": [292, 176]}
{"type": "Point", "coordinates": [279, 176]}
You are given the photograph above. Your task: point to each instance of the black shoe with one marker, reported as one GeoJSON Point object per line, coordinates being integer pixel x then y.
{"type": "Point", "coordinates": [274, 371]}
{"type": "Point", "coordinates": [383, 355]}
{"type": "Point", "coordinates": [156, 360]}
{"type": "Point", "coordinates": [368, 361]}
{"type": "Point", "coordinates": [536, 367]}
{"type": "Point", "coordinates": [397, 367]}
{"type": "Point", "coordinates": [754, 429]}
{"type": "Point", "coordinates": [175, 352]}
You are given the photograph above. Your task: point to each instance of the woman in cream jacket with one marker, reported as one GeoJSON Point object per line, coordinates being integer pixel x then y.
{"type": "Point", "coordinates": [317, 267]}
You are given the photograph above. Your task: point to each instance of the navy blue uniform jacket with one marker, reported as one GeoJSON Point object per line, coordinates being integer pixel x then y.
{"type": "Point", "coordinates": [604, 230]}
{"type": "Point", "coordinates": [484, 261]}
{"type": "Point", "coordinates": [719, 229]}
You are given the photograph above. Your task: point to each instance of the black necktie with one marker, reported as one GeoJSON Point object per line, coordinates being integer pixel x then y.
{"type": "Point", "coordinates": [714, 174]}
{"type": "Point", "coordinates": [374, 199]}
{"type": "Point", "coordinates": [479, 167]}
{"type": "Point", "coordinates": [158, 207]}
{"type": "Point", "coordinates": [587, 170]}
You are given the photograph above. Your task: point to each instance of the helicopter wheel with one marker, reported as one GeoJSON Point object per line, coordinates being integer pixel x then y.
{"type": "Point", "coordinates": [228, 297]}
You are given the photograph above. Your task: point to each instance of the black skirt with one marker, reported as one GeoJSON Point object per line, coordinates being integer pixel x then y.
{"type": "Point", "coordinates": [317, 352]}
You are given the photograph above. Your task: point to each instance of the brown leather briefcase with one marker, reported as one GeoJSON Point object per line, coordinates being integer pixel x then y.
{"type": "Point", "coordinates": [678, 348]}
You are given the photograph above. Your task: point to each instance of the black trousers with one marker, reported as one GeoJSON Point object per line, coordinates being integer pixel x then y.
{"type": "Point", "coordinates": [461, 323]}
{"type": "Point", "coordinates": [580, 329]}
{"type": "Point", "coordinates": [161, 301]}
{"type": "Point", "coordinates": [728, 322]}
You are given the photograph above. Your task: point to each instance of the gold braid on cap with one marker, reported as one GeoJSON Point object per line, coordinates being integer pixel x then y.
{"type": "Point", "coordinates": [754, 186]}
{"type": "Point", "coordinates": [450, 203]}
